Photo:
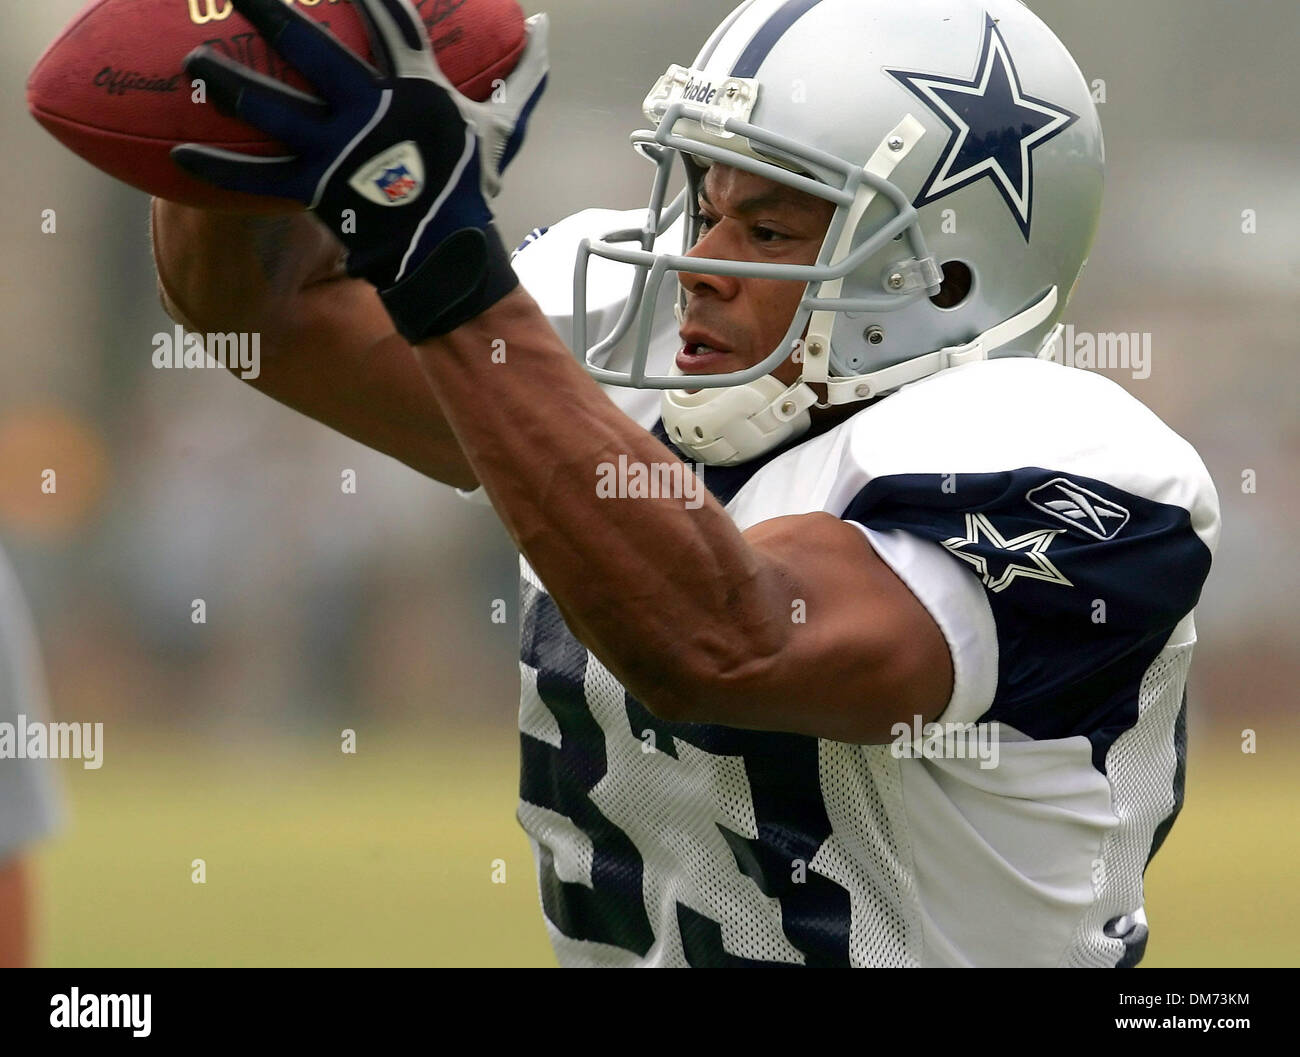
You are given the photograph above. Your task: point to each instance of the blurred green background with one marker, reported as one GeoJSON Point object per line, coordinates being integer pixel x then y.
{"type": "Point", "coordinates": [373, 612]}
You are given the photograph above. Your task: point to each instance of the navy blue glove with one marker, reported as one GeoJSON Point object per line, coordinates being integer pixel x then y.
{"type": "Point", "coordinates": [395, 161]}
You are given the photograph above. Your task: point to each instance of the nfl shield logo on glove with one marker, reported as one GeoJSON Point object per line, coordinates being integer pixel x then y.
{"type": "Point", "coordinates": [398, 184]}
{"type": "Point", "coordinates": [393, 178]}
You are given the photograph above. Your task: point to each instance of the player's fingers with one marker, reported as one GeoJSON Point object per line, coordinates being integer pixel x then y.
{"type": "Point", "coordinates": [397, 37]}
{"type": "Point", "coordinates": [274, 177]}
{"type": "Point", "coordinates": [516, 138]}
{"type": "Point", "coordinates": [526, 82]}
{"type": "Point", "coordinates": [523, 90]}
{"type": "Point", "coordinates": [281, 112]}
{"type": "Point", "coordinates": [317, 55]}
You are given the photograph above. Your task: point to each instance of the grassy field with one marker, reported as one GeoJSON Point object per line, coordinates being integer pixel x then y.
{"type": "Point", "coordinates": [386, 858]}
{"type": "Point", "coordinates": [313, 858]}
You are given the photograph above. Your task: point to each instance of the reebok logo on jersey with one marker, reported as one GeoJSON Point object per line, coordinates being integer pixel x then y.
{"type": "Point", "coordinates": [1079, 508]}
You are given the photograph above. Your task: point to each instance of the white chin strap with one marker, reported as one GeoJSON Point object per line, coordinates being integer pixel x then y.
{"type": "Point", "coordinates": [722, 427]}
{"type": "Point", "coordinates": [868, 386]}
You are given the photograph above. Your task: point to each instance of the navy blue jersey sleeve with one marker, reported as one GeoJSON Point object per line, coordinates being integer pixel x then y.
{"type": "Point", "coordinates": [1086, 583]}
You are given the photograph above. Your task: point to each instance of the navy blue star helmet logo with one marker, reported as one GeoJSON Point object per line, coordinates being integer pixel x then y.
{"type": "Point", "coordinates": [995, 127]}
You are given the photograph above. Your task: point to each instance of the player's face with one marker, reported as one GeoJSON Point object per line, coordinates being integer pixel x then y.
{"type": "Point", "coordinates": [733, 323]}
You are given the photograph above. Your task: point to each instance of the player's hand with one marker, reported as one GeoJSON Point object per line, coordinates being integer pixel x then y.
{"type": "Point", "coordinates": [394, 160]}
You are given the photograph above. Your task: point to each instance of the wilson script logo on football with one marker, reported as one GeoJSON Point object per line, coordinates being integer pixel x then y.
{"type": "Point", "coordinates": [205, 11]}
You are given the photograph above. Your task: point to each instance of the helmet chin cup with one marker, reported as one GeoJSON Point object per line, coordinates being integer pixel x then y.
{"type": "Point", "coordinates": [722, 427]}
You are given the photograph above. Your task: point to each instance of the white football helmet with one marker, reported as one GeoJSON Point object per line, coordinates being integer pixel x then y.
{"type": "Point", "coordinates": [962, 150]}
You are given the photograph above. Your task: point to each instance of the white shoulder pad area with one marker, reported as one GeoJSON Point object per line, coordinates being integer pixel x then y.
{"type": "Point", "coordinates": [1017, 412]}
{"type": "Point", "coordinates": [545, 266]}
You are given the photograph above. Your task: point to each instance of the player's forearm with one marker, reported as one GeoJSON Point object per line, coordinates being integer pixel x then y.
{"type": "Point", "coordinates": [234, 272]}
{"type": "Point", "coordinates": [375, 394]}
{"type": "Point", "coordinates": [328, 347]}
{"type": "Point", "coordinates": [666, 592]}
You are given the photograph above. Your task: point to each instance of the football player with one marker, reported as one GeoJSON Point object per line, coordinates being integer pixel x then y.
{"type": "Point", "coordinates": [906, 687]}
{"type": "Point", "coordinates": [29, 803]}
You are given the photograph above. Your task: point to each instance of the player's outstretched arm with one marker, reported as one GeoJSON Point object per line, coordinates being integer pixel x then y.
{"type": "Point", "coordinates": [694, 617]}
{"type": "Point", "coordinates": [329, 348]}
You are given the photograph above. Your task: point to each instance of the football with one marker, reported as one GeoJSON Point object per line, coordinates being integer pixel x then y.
{"type": "Point", "coordinates": [113, 89]}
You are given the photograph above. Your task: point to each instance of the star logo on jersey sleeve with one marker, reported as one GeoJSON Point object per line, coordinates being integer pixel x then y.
{"type": "Point", "coordinates": [998, 572]}
{"type": "Point", "coordinates": [995, 128]}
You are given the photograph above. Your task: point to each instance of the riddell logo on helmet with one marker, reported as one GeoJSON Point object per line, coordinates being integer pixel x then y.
{"type": "Point", "coordinates": [699, 92]}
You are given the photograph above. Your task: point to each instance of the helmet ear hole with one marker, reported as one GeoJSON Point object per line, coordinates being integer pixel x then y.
{"type": "Point", "coordinates": [957, 284]}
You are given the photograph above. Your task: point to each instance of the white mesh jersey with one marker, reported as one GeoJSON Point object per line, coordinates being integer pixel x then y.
{"type": "Point", "coordinates": [1058, 532]}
